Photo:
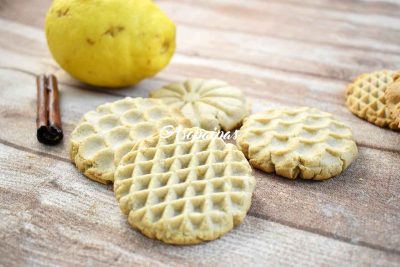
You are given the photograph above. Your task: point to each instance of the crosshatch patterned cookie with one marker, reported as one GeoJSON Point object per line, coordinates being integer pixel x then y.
{"type": "Point", "coordinates": [366, 98]}
{"type": "Point", "coordinates": [209, 104]}
{"type": "Point", "coordinates": [392, 96]}
{"type": "Point", "coordinates": [103, 136]}
{"type": "Point", "coordinates": [184, 190]}
{"type": "Point", "coordinates": [297, 142]}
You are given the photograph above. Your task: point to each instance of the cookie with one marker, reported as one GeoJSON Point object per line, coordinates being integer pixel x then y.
{"type": "Point", "coordinates": [103, 136]}
{"type": "Point", "coordinates": [209, 104]}
{"type": "Point", "coordinates": [392, 96]}
{"type": "Point", "coordinates": [366, 98]}
{"type": "Point", "coordinates": [184, 190]}
{"type": "Point", "coordinates": [297, 142]}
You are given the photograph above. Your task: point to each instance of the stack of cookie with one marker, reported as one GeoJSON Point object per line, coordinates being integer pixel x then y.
{"type": "Point", "coordinates": [178, 189]}
{"type": "Point", "coordinates": [375, 97]}
{"type": "Point", "coordinates": [183, 189]}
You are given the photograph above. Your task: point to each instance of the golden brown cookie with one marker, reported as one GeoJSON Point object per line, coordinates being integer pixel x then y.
{"type": "Point", "coordinates": [103, 136]}
{"type": "Point", "coordinates": [208, 104]}
{"type": "Point", "coordinates": [366, 98]}
{"type": "Point", "coordinates": [297, 142]}
{"type": "Point", "coordinates": [392, 96]}
{"type": "Point", "coordinates": [184, 190]}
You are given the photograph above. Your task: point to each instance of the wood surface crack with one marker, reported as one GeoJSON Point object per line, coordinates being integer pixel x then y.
{"type": "Point", "coordinates": [298, 72]}
{"type": "Point", "coordinates": [325, 234]}
{"type": "Point", "coordinates": [300, 40]}
{"type": "Point", "coordinates": [33, 151]}
{"type": "Point", "coordinates": [321, 7]}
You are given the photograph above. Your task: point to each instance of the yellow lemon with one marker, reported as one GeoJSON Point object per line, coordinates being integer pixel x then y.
{"type": "Point", "coordinates": [110, 43]}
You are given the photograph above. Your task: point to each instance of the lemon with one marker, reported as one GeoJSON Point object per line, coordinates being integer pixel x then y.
{"type": "Point", "coordinates": [110, 43]}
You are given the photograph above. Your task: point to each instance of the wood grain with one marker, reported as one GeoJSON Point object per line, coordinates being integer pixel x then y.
{"type": "Point", "coordinates": [52, 215]}
{"type": "Point", "coordinates": [287, 52]}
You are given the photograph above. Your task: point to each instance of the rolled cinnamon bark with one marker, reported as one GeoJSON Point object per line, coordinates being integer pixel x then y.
{"type": "Point", "coordinates": [48, 122]}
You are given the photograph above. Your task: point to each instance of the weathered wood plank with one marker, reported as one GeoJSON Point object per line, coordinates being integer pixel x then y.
{"type": "Point", "coordinates": [294, 22]}
{"type": "Point", "coordinates": [387, 8]}
{"type": "Point", "coordinates": [294, 58]}
{"type": "Point", "coordinates": [362, 205]}
{"type": "Point", "coordinates": [52, 215]}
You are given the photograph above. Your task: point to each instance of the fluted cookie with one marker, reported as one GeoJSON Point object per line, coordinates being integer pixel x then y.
{"type": "Point", "coordinates": [392, 96]}
{"type": "Point", "coordinates": [103, 136]}
{"type": "Point", "coordinates": [297, 142]}
{"type": "Point", "coordinates": [184, 190]}
{"type": "Point", "coordinates": [209, 104]}
{"type": "Point", "coordinates": [366, 98]}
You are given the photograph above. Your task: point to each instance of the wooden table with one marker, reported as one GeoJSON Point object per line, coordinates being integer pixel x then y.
{"type": "Point", "coordinates": [289, 52]}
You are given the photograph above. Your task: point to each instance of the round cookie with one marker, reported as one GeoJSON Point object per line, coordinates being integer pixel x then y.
{"type": "Point", "coordinates": [184, 190]}
{"type": "Point", "coordinates": [297, 142]}
{"type": "Point", "coordinates": [366, 98]}
{"type": "Point", "coordinates": [209, 104]}
{"type": "Point", "coordinates": [392, 96]}
{"type": "Point", "coordinates": [103, 136]}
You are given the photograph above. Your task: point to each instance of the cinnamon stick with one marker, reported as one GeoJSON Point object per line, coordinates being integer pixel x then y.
{"type": "Point", "coordinates": [48, 122]}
